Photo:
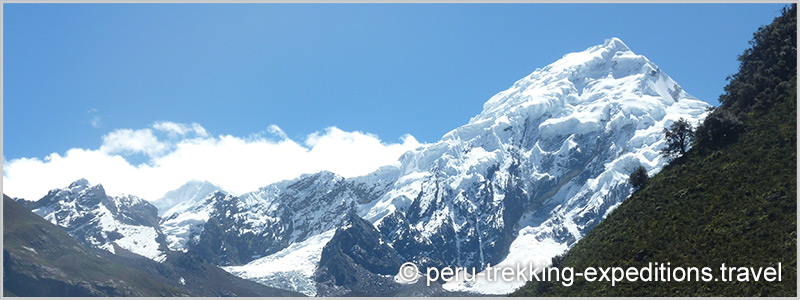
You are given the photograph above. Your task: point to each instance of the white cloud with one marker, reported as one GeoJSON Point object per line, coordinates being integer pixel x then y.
{"type": "Point", "coordinates": [178, 129]}
{"type": "Point", "coordinates": [274, 129]}
{"type": "Point", "coordinates": [96, 121]}
{"type": "Point", "coordinates": [177, 153]}
{"type": "Point", "coordinates": [354, 153]}
{"type": "Point", "coordinates": [128, 141]}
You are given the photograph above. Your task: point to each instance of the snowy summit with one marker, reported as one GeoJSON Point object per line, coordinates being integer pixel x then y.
{"type": "Point", "coordinates": [542, 164]}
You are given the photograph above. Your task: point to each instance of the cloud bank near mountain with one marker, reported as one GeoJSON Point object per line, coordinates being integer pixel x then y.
{"type": "Point", "coordinates": [174, 153]}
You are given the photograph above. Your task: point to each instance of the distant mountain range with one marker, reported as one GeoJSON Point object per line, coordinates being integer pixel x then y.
{"type": "Point", "coordinates": [542, 164]}
{"type": "Point", "coordinates": [41, 259]}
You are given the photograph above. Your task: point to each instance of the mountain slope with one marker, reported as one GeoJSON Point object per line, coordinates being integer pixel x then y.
{"type": "Point", "coordinates": [242, 229]}
{"type": "Point", "coordinates": [543, 162]}
{"type": "Point", "coordinates": [184, 211]}
{"type": "Point", "coordinates": [183, 197]}
{"type": "Point", "coordinates": [105, 222]}
{"type": "Point", "coordinates": [729, 200]}
{"type": "Point", "coordinates": [197, 277]}
{"type": "Point", "coordinates": [348, 261]}
{"type": "Point", "coordinates": [40, 259]}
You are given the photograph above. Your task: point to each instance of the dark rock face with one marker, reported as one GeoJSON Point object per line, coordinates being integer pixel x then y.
{"type": "Point", "coordinates": [222, 241]}
{"type": "Point", "coordinates": [353, 260]}
{"type": "Point", "coordinates": [133, 211]}
{"type": "Point", "coordinates": [358, 262]}
{"type": "Point", "coordinates": [301, 208]}
{"type": "Point", "coordinates": [468, 231]}
{"type": "Point", "coordinates": [404, 238]}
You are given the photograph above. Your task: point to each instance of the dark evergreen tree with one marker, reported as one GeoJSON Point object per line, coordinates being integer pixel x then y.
{"type": "Point", "coordinates": [761, 80]}
{"type": "Point", "coordinates": [678, 135]}
{"type": "Point", "coordinates": [719, 128]}
{"type": "Point", "coordinates": [638, 177]}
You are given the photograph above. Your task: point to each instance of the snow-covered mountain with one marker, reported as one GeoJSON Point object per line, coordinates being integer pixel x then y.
{"type": "Point", "coordinates": [546, 159]}
{"type": "Point", "coordinates": [300, 216]}
{"type": "Point", "coordinates": [526, 178]}
{"type": "Point", "coordinates": [185, 210]}
{"type": "Point", "coordinates": [263, 222]}
{"type": "Point", "coordinates": [101, 221]}
{"type": "Point", "coordinates": [184, 197]}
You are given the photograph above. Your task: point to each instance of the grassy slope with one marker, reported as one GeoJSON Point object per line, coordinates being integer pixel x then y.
{"type": "Point", "coordinates": [734, 204]}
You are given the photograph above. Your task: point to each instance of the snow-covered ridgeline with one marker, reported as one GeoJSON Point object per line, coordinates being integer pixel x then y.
{"type": "Point", "coordinates": [542, 164]}
{"type": "Point", "coordinates": [102, 221]}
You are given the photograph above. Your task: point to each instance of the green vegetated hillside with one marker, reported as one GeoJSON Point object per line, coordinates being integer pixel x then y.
{"type": "Point", "coordinates": [731, 199]}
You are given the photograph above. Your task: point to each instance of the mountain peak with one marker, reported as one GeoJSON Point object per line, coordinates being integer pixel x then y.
{"type": "Point", "coordinates": [80, 183]}
{"type": "Point", "coordinates": [608, 75]}
{"type": "Point", "coordinates": [185, 196]}
{"type": "Point", "coordinates": [323, 175]}
{"type": "Point", "coordinates": [616, 45]}
{"type": "Point", "coordinates": [196, 183]}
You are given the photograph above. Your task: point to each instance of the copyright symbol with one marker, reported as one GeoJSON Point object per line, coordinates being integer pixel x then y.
{"type": "Point", "coordinates": [408, 273]}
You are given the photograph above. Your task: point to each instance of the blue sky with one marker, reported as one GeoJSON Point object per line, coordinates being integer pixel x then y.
{"type": "Point", "coordinates": [384, 69]}
{"type": "Point", "coordinates": [75, 73]}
